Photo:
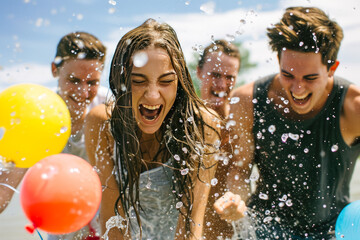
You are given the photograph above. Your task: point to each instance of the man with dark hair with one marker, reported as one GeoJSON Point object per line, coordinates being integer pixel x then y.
{"type": "Point", "coordinates": [300, 127]}
{"type": "Point", "coordinates": [218, 69]}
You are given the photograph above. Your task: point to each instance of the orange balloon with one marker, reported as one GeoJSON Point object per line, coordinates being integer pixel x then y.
{"type": "Point", "coordinates": [60, 194]}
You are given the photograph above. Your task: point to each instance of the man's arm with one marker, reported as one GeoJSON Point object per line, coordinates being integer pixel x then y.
{"type": "Point", "coordinates": [349, 121]}
{"type": "Point", "coordinates": [9, 179]}
{"type": "Point", "coordinates": [234, 190]}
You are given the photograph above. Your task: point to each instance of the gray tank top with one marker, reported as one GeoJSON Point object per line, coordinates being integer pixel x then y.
{"type": "Point", "coordinates": [159, 214]}
{"type": "Point", "coordinates": [305, 166]}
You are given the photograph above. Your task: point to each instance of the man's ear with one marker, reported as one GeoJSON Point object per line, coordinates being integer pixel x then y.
{"type": "Point", "coordinates": [54, 70]}
{"type": "Point", "coordinates": [333, 68]}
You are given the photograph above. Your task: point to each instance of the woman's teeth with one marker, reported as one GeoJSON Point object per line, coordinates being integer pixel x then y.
{"type": "Point", "coordinates": [151, 107]}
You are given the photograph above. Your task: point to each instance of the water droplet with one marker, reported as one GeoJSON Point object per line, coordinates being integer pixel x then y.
{"type": "Point", "coordinates": [293, 136]}
{"type": "Point", "coordinates": [57, 60]}
{"type": "Point", "coordinates": [214, 181]}
{"type": "Point", "coordinates": [208, 7]}
{"type": "Point", "coordinates": [334, 148]}
{"type": "Point", "coordinates": [263, 196]}
{"type": "Point", "coordinates": [81, 55]}
{"type": "Point", "coordinates": [74, 170]}
{"type": "Point", "coordinates": [268, 219]}
{"type": "Point", "coordinates": [254, 176]}
{"type": "Point", "coordinates": [176, 157]}
{"type": "Point", "coordinates": [230, 123]}
{"type": "Point", "coordinates": [289, 203]}
{"type": "Point", "coordinates": [123, 87]}
{"type": "Point", "coordinates": [286, 110]}
{"type": "Point", "coordinates": [229, 37]}
{"type": "Point", "coordinates": [111, 10]}
{"type": "Point", "coordinates": [301, 44]}
{"type": "Point", "coordinates": [254, 101]}
{"type": "Point", "coordinates": [2, 132]}
{"type": "Point", "coordinates": [63, 129]}
{"type": "Point", "coordinates": [184, 171]}
{"type": "Point", "coordinates": [179, 205]}
{"type": "Point", "coordinates": [306, 150]}
{"type": "Point", "coordinates": [185, 150]}
{"type": "Point", "coordinates": [259, 135]}
{"type": "Point", "coordinates": [234, 100]}
{"type": "Point", "coordinates": [222, 94]}
{"type": "Point", "coordinates": [44, 176]}
{"type": "Point", "coordinates": [272, 129]}
{"type": "Point", "coordinates": [140, 59]}
{"type": "Point", "coordinates": [283, 198]}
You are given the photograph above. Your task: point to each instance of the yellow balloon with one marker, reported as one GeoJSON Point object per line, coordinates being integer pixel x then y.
{"type": "Point", "coordinates": [34, 123]}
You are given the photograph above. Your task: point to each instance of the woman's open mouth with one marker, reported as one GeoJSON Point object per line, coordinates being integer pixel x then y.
{"type": "Point", "coordinates": [150, 112]}
{"type": "Point", "coordinates": [301, 99]}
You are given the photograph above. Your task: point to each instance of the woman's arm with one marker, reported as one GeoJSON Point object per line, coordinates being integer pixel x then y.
{"type": "Point", "coordinates": [202, 183]}
{"type": "Point", "coordinates": [99, 147]}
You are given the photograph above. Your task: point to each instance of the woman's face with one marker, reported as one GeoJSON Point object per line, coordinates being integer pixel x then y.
{"type": "Point", "coordinates": [154, 85]}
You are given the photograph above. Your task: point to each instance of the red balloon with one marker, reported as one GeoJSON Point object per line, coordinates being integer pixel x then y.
{"type": "Point", "coordinates": [60, 194]}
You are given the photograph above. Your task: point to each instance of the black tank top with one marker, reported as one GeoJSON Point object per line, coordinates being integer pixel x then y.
{"type": "Point", "coordinates": [305, 166]}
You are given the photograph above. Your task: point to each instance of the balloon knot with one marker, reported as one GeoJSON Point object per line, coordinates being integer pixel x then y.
{"type": "Point", "coordinates": [30, 228]}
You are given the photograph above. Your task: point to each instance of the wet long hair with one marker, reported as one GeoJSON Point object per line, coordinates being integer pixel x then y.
{"type": "Point", "coordinates": [181, 134]}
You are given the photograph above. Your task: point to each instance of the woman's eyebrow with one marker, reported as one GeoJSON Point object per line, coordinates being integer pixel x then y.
{"type": "Point", "coordinates": [167, 74]}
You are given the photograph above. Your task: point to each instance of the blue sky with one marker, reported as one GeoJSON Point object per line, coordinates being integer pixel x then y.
{"type": "Point", "coordinates": [31, 29]}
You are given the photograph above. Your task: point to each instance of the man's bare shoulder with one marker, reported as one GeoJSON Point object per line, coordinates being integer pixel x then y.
{"type": "Point", "coordinates": [242, 98]}
{"type": "Point", "coordinates": [352, 112]}
{"type": "Point", "coordinates": [100, 113]}
{"type": "Point", "coordinates": [244, 91]}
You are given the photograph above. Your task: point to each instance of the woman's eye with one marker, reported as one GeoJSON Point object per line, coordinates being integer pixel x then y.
{"type": "Point", "coordinates": [134, 81]}
{"type": "Point", "coordinates": [167, 81]}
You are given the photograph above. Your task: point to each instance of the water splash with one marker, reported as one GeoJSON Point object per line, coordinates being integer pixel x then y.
{"type": "Point", "coordinates": [140, 59]}
{"type": "Point", "coordinates": [115, 221]}
{"type": "Point", "coordinates": [208, 8]}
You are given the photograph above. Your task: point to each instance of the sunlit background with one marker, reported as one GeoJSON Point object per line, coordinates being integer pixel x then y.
{"type": "Point", "coordinates": [31, 29]}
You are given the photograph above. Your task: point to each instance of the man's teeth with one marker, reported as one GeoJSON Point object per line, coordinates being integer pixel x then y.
{"type": "Point", "coordinates": [219, 94]}
{"type": "Point", "coordinates": [151, 107]}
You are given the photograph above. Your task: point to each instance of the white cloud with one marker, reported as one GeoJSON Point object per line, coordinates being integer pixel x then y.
{"type": "Point", "coordinates": [26, 73]}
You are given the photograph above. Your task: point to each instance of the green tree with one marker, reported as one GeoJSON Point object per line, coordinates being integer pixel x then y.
{"type": "Point", "coordinates": [246, 65]}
